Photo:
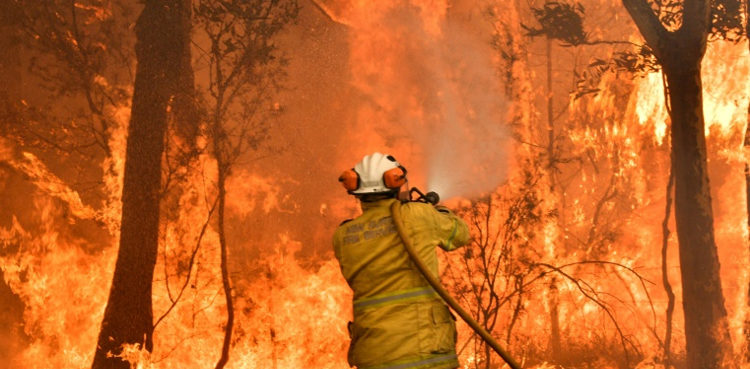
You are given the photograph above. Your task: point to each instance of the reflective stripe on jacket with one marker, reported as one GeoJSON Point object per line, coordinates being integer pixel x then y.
{"type": "Point", "coordinates": [399, 321]}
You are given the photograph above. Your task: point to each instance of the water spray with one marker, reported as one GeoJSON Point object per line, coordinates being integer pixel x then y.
{"type": "Point", "coordinates": [433, 198]}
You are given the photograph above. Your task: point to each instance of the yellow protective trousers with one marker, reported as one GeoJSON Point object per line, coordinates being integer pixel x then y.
{"type": "Point", "coordinates": [399, 320]}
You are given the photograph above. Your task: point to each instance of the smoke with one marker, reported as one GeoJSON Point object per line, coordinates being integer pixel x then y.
{"type": "Point", "coordinates": [466, 151]}
{"type": "Point", "coordinates": [431, 92]}
{"type": "Point", "coordinates": [415, 80]}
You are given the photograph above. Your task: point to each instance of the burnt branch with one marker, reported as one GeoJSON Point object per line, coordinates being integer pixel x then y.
{"type": "Point", "coordinates": [649, 24]}
{"type": "Point", "coordinates": [191, 262]}
{"type": "Point", "coordinates": [591, 294]}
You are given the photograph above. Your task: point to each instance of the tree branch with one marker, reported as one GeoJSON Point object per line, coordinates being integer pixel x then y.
{"type": "Point", "coordinates": [190, 266]}
{"type": "Point", "coordinates": [609, 42]}
{"type": "Point", "coordinates": [649, 25]}
{"type": "Point", "coordinates": [592, 296]}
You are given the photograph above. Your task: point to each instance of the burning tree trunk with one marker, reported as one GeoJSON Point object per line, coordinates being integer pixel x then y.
{"type": "Point", "coordinates": [128, 316]}
{"type": "Point", "coordinates": [747, 188]}
{"type": "Point", "coordinates": [665, 272]}
{"type": "Point", "coordinates": [553, 301]}
{"type": "Point", "coordinates": [747, 197]}
{"type": "Point", "coordinates": [706, 330]}
{"type": "Point", "coordinates": [223, 172]}
{"type": "Point", "coordinates": [680, 53]}
{"type": "Point", "coordinates": [244, 71]}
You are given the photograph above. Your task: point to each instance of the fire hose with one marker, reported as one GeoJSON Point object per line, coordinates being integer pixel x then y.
{"type": "Point", "coordinates": [435, 283]}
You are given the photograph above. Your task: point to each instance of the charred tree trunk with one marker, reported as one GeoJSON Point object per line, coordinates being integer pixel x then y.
{"type": "Point", "coordinates": [128, 315]}
{"type": "Point", "coordinates": [747, 191]}
{"type": "Point", "coordinates": [185, 107]}
{"type": "Point", "coordinates": [555, 336]}
{"type": "Point", "coordinates": [680, 52]}
{"type": "Point", "coordinates": [706, 328]}
{"type": "Point", "coordinates": [184, 125]}
{"type": "Point", "coordinates": [226, 285]}
{"type": "Point", "coordinates": [224, 163]}
{"type": "Point", "coordinates": [554, 303]}
{"type": "Point", "coordinates": [747, 197]}
{"type": "Point", "coordinates": [665, 273]}
{"type": "Point", "coordinates": [747, 200]}
{"type": "Point", "coordinates": [550, 118]}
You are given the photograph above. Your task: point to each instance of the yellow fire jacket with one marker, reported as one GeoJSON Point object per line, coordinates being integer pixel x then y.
{"type": "Point", "coordinates": [399, 320]}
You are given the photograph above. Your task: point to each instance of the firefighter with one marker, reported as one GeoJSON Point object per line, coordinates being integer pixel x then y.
{"type": "Point", "coordinates": [399, 321]}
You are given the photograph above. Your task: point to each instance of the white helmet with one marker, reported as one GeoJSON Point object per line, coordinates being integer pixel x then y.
{"type": "Point", "coordinates": [376, 173]}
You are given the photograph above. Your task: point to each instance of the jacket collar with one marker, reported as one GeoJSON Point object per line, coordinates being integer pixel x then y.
{"type": "Point", "coordinates": [377, 204]}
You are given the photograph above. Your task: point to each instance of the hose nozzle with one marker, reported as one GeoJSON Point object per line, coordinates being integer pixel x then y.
{"type": "Point", "coordinates": [431, 197]}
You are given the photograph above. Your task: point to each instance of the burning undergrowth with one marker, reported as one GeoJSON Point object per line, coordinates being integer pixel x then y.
{"type": "Point", "coordinates": [565, 261]}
